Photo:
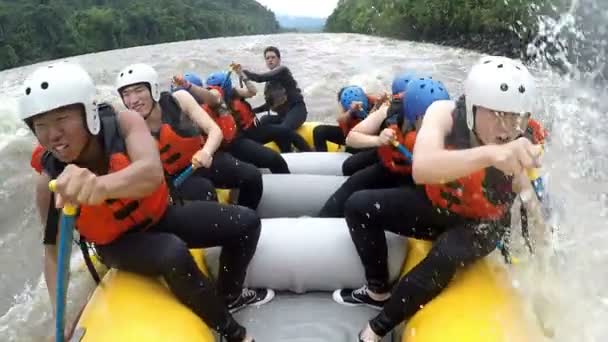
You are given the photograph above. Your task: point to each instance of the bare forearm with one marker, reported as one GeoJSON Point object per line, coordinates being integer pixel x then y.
{"type": "Point", "coordinates": [214, 140]}
{"type": "Point", "coordinates": [361, 140]}
{"type": "Point", "coordinates": [138, 180]}
{"type": "Point", "coordinates": [447, 165]}
{"type": "Point", "coordinates": [202, 95]}
{"type": "Point", "coordinates": [251, 90]}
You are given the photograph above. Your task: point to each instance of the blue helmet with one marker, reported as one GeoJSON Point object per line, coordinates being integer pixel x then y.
{"type": "Point", "coordinates": [420, 94]}
{"type": "Point", "coordinates": [401, 81]}
{"type": "Point", "coordinates": [190, 77]}
{"type": "Point", "coordinates": [221, 79]}
{"type": "Point", "coordinates": [354, 93]}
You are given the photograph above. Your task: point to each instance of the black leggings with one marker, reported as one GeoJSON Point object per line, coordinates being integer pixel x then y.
{"type": "Point", "coordinates": [374, 176]}
{"type": "Point", "coordinates": [324, 133]}
{"type": "Point", "coordinates": [196, 189]}
{"type": "Point", "coordinates": [290, 121]}
{"type": "Point", "coordinates": [257, 154]}
{"type": "Point", "coordinates": [229, 172]}
{"type": "Point", "coordinates": [359, 160]}
{"type": "Point", "coordinates": [163, 251]}
{"type": "Point", "coordinates": [408, 212]}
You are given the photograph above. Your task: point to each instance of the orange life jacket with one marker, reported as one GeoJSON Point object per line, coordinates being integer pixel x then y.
{"type": "Point", "coordinates": [36, 161]}
{"type": "Point", "coordinates": [178, 138]}
{"type": "Point", "coordinates": [222, 115]}
{"type": "Point", "coordinates": [483, 195]}
{"type": "Point", "coordinates": [103, 223]}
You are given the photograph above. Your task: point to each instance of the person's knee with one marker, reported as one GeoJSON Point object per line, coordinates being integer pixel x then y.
{"type": "Point", "coordinates": [359, 205]}
{"type": "Point", "coordinates": [176, 256]}
{"type": "Point", "coordinates": [348, 167]}
{"type": "Point", "coordinates": [249, 223]}
{"type": "Point", "coordinates": [250, 175]}
{"type": "Point", "coordinates": [278, 163]}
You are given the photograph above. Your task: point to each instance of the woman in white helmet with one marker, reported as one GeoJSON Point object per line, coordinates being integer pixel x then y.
{"type": "Point", "coordinates": [187, 135]}
{"type": "Point", "coordinates": [470, 154]}
{"type": "Point", "coordinates": [108, 164]}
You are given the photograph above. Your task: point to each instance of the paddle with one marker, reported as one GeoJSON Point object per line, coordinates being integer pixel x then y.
{"type": "Point", "coordinates": [66, 233]}
{"type": "Point", "coordinates": [177, 181]}
{"type": "Point", "coordinates": [406, 153]}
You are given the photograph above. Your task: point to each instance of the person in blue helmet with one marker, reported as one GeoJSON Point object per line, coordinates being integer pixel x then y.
{"type": "Point", "coordinates": [354, 104]}
{"type": "Point", "coordinates": [397, 122]}
{"type": "Point", "coordinates": [369, 156]}
{"type": "Point", "coordinates": [233, 114]}
{"type": "Point", "coordinates": [283, 96]}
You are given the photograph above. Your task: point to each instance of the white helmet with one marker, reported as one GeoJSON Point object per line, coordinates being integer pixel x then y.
{"type": "Point", "coordinates": [500, 84]}
{"type": "Point", "coordinates": [139, 73]}
{"type": "Point", "coordinates": [59, 85]}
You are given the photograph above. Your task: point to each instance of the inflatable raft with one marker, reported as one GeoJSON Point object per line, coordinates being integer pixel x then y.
{"type": "Point", "coordinates": [305, 258]}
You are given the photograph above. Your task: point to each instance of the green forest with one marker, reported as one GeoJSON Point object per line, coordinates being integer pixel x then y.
{"type": "Point", "coordinates": [36, 30]}
{"type": "Point", "coordinates": [478, 24]}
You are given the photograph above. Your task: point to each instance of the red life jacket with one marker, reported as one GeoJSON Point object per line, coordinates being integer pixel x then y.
{"type": "Point", "coordinates": [389, 155]}
{"type": "Point", "coordinates": [36, 161]}
{"type": "Point", "coordinates": [243, 113]}
{"type": "Point", "coordinates": [222, 115]}
{"type": "Point", "coordinates": [178, 138]}
{"type": "Point", "coordinates": [102, 224]}
{"type": "Point", "coordinates": [483, 195]}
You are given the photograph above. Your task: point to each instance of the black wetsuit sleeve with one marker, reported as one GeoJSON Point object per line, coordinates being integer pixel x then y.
{"type": "Point", "coordinates": [52, 222]}
{"type": "Point", "coordinates": [272, 75]}
{"type": "Point", "coordinates": [261, 109]}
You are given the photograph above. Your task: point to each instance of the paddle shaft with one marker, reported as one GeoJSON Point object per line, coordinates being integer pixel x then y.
{"type": "Point", "coordinates": [177, 181]}
{"type": "Point", "coordinates": [66, 234]}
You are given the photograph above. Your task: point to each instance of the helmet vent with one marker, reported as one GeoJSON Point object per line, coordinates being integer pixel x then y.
{"type": "Point", "coordinates": [522, 89]}
{"type": "Point", "coordinates": [28, 91]}
{"type": "Point", "coordinates": [504, 87]}
{"type": "Point", "coordinates": [44, 85]}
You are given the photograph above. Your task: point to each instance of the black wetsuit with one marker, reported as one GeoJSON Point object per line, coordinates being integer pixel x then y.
{"type": "Point", "coordinates": [292, 112]}
{"type": "Point", "coordinates": [407, 211]}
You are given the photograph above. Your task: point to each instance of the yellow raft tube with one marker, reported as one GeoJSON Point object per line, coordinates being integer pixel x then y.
{"type": "Point", "coordinates": [479, 305]}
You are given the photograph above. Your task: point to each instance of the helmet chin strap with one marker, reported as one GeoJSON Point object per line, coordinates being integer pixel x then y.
{"type": "Point", "coordinates": [474, 129]}
{"type": "Point", "coordinates": [150, 112]}
{"type": "Point", "coordinates": [153, 107]}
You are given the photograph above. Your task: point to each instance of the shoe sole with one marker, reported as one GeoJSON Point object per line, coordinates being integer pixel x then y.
{"type": "Point", "coordinates": [338, 299]}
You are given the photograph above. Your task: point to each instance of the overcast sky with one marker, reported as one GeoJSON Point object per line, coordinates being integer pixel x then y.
{"type": "Point", "coordinates": [303, 8]}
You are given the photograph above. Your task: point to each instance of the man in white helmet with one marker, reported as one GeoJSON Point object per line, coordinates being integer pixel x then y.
{"type": "Point", "coordinates": [187, 135]}
{"type": "Point", "coordinates": [470, 156]}
{"type": "Point", "coordinates": [107, 164]}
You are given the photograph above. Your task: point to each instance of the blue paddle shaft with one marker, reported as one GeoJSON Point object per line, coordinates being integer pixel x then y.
{"type": "Point", "coordinates": [177, 181]}
{"type": "Point", "coordinates": [539, 188]}
{"type": "Point", "coordinates": [407, 154]}
{"type": "Point", "coordinates": [66, 233]}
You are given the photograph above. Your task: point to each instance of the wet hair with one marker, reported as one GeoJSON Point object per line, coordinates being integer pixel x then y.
{"type": "Point", "coordinates": [272, 49]}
